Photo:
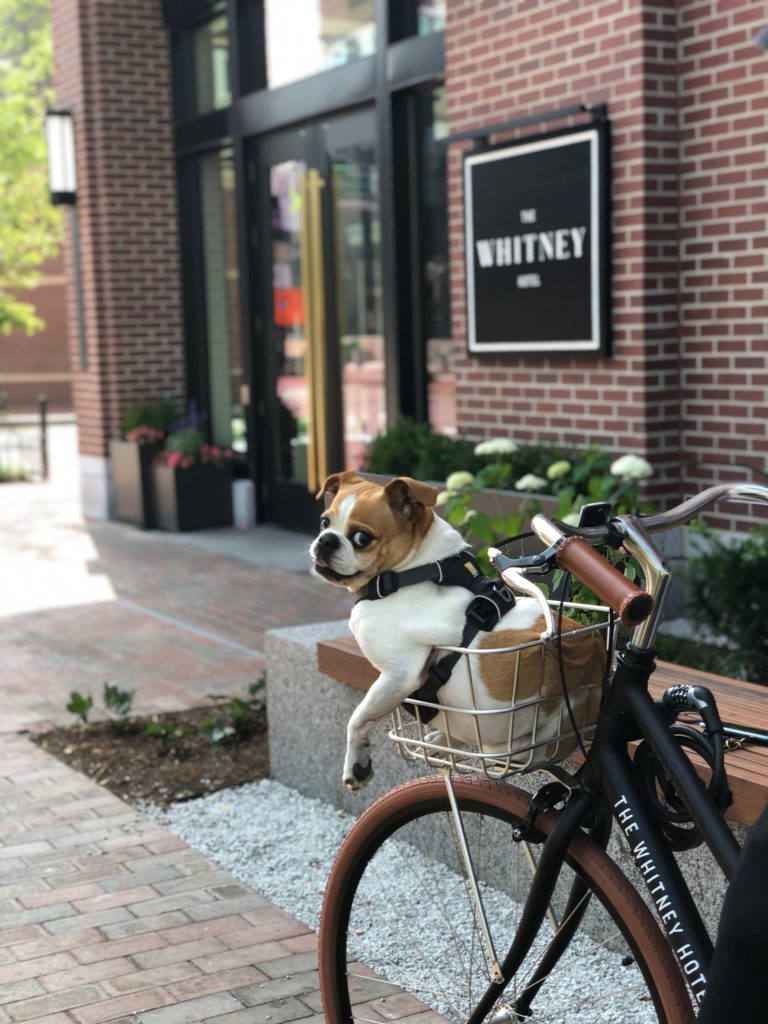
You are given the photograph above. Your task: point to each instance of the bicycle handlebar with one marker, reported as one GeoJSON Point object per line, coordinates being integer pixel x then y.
{"type": "Point", "coordinates": [570, 547]}
{"type": "Point", "coordinates": [632, 604]}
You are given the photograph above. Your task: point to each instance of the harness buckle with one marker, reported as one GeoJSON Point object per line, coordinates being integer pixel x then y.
{"type": "Point", "coordinates": [387, 583]}
{"type": "Point", "coordinates": [484, 612]}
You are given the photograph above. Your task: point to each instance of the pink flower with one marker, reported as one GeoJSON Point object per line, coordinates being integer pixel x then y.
{"type": "Point", "coordinates": [144, 434]}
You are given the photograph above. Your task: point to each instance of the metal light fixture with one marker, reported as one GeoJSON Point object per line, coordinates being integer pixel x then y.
{"type": "Point", "coordinates": [62, 182]}
{"type": "Point", "coordinates": [60, 139]}
{"type": "Point", "coordinates": [761, 39]}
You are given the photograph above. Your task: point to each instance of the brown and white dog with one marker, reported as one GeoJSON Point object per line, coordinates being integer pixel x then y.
{"type": "Point", "coordinates": [369, 529]}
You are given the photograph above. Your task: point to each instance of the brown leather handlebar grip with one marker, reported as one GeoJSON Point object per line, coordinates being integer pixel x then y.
{"type": "Point", "coordinates": [625, 597]}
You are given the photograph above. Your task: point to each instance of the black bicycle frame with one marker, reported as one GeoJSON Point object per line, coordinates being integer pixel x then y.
{"type": "Point", "coordinates": [610, 781]}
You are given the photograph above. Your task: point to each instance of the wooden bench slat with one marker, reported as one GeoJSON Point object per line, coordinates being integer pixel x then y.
{"type": "Point", "coordinates": [742, 702]}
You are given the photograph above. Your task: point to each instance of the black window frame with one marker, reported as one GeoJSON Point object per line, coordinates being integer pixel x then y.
{"type": "Point", "coordinates": [383, 82]}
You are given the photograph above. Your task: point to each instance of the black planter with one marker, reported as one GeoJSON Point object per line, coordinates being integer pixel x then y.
{"type": "Point", "coordinates": [132, 481]}
{"type": "Point", "coordinates": [197, 498]}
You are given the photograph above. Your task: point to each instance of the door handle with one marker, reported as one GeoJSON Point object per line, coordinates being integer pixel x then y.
{"type": "Point", "coordinates": [313, 282]}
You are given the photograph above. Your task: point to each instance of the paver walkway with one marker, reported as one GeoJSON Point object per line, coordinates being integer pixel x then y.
{"type": "Point", "coordinates": [104, 915]}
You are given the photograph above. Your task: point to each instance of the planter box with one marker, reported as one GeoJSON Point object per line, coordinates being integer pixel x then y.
{"type": "Point", "coordinates": [131, 466]}
{"type": "Point", "coordinates": [197, 498]}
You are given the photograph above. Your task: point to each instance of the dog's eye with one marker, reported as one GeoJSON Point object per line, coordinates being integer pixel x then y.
{"type": "Point", "coordinates": [361, 539]}
{"type": "Point", "coordinates": [325, 522]}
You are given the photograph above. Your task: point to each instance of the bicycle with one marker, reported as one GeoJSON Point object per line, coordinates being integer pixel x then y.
{"type": "Point", "coordinates": [471, 900]}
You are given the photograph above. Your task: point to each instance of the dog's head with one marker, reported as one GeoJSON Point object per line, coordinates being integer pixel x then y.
{"type": "Point", "coordinates": [368, 529]}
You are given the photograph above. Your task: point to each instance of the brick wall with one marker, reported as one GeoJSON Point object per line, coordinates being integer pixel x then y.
{"type": "Point", "coordinates": [723, 93]}
{"type": "Point", "coordinates": [112, 70]}
{"type": "Point", "coordinates": [686, 98]}
{"type": "Point", "coordinates": [39, 364]}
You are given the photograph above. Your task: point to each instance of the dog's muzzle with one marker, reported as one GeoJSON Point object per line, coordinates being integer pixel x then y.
{"type": "Point", "coordinates": [324, 548]}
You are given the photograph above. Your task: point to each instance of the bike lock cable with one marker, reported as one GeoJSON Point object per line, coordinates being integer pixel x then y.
{"type": "Point", "coordinates": [670, 812]}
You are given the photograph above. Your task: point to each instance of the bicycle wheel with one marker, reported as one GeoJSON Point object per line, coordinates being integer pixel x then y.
{"type": "Point", "coordinates": [399, 922]}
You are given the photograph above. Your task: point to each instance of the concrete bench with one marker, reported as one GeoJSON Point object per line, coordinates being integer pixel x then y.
{"type": "Point", "coordinates": [742, 702]}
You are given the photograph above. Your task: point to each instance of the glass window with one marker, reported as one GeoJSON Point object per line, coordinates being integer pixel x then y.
{"type": "Point", "coordinates": [226, 375]}
{"type": "Point", "coordinates": [430, 15]}
{"type": "Point", "coordinates": [432, 126]}
{"type": "Point", "coordinates": [201, 65]}
{"type": "Point", "coordinates": [355, 192]}
{"type": "Point", "coordinates": [307, 36]}
{"type": "Point", "coordinates": [211, 56]}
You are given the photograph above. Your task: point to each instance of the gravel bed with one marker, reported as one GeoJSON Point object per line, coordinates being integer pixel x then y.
{"type": "Point", "coordinates": [283, 844]}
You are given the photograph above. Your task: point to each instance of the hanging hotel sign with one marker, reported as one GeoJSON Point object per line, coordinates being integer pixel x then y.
{"type": "Point", "coordinates": [537, 251]}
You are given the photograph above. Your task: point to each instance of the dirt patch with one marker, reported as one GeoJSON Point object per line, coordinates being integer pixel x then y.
{"type": "Point", "coordinates": [180, 764]}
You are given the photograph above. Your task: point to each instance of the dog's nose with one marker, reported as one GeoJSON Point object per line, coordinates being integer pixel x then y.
{"type": "Point", "coordinates": [328, 542]}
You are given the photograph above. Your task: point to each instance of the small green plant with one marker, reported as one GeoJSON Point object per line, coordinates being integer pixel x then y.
{"type": "Point", "coordinates": [234, 719]}
{"type": "Point", "coordinates": [116, 704]}
{"type": "Point", "coordinates": [80, 706]}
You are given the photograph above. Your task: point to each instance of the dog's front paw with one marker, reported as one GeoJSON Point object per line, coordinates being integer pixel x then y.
{"type": "Point", "coordinates": [358, 777]}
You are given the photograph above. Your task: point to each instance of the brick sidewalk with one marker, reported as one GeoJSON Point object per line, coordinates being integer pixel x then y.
{"type": "Point", "coordinates": [104, 915]}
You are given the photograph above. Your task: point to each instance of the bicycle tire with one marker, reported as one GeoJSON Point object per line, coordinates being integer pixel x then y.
{"type": "Point", "coordinates": [348, 906]}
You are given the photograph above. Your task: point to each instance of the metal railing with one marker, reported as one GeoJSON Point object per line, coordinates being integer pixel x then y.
{"type": "Point", "coordinates": [23, 443]}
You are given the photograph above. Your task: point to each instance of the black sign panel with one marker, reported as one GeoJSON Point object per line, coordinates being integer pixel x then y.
{"type": "Point", "coordinates": [537, 245]}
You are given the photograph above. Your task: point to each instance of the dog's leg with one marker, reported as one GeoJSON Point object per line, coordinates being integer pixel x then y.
{"type": "Point", "coordinates": [381, 700]}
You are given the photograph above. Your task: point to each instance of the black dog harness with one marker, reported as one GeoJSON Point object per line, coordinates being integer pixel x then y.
{"type": "Point", "coordinates": [491, 601]}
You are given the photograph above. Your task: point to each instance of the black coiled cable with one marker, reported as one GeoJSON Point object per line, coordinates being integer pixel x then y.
{"type": "Point", "coordinates": [670, 812]}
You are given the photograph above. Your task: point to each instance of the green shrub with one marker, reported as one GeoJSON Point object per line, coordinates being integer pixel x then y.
{"type": "Point", "coordinates": [189, 441]}
{"type": "Point", "coordinates": [414, 449]}
{"type": "Point", "coordinates": [727, 591]}
{"type": "Point", "coordinates": [150, 412]}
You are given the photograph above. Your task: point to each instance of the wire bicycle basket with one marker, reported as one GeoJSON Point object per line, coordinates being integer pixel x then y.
{"type": "Point", "coordinates": [536, 725]}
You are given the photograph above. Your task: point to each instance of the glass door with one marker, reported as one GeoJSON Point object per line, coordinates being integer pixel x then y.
{"type": "Point", "coordinates": [320, 375]}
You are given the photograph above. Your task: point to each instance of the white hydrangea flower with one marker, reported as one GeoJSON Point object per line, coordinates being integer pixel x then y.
{"type": "Point", "coordinates": [558, 469]}
{"type": "Point", "coordinates": [496, 446]}
{"type": "Point", "coordinates": [572, 518]}
{"type": "Point", "coordinates": [443, 497]}
{"type": "Point", "coordinates": [459, 480]}
{"type": "Point", "coordinates": [530, 482]}
{"type": "Point", "coordinates": [631, 467]}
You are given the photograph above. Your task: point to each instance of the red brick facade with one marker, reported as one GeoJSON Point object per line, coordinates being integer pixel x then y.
{"type": "Point", "coordinates": [686, 94]}
{"type": "Point", "coordinates": [112, 71]}
{"type": "Point", "coordinates": [30, 366]}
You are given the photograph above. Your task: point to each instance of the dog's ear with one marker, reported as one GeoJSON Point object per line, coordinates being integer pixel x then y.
{"type": "Point", "coordinates": [407, 496]}
{"type": "Point", "coordinates": [334, 482]}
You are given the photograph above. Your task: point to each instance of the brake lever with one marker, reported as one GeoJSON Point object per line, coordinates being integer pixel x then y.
{"type": "Point", "coordinates": [538, 564]}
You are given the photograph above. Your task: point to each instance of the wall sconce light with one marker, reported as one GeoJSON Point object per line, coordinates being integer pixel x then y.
{"type": "Point", "coordinates": [62, 183]}
{"type": "Point", "coordinates": [60, 140]}
{"type": "Point", "coordinates": [761, 39]}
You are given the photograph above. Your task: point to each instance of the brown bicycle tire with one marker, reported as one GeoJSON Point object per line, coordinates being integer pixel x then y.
{"type": "Point", "coordinates": [607, 881]}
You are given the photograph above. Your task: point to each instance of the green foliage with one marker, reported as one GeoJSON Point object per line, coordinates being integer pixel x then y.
{"type": "Point", "coordinates": [30, 228]}
{"type": "Point", "coordinates": [165, 732]}
{"type": "Point", "coordinates": [414, 449]}
{"type": "Point", "coordinates": [80, 706]}
{"type": "Point", "coordinates": [116, 704]}
{"type": "Point", "coordinates": [482, 529]}
{"type": "Point", "coordinates": [189, 441]}
{"type": "Point", "coordinates": [232, 720]}
{"type": "Point", "coordinates": [116, 701]}
{"type": "Point", "coordinates": [159, 413]}
{"type": "Point", "coordinates": [727, 592]}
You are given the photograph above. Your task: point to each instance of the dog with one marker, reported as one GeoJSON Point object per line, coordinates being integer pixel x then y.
{"type": "Point", "coordinates": [369, 530]}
